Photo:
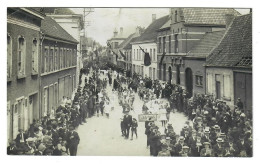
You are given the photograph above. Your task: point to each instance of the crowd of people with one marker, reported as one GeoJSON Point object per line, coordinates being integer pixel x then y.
{"type": "Point", "coordinates": [213, 129]}
{"type": "Point", "coordinates": [56, 135]}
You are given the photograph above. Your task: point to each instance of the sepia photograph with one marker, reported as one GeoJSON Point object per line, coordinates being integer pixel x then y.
{"type": "Point", "coordinates": [129, 81]}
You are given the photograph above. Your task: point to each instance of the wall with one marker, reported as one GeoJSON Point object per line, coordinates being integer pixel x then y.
{"type": "Point", "coordinates": [22, 88]}
{"type": "Point", "coordinates": [50, 80]}
{"type": "Point", "coordinates": [197, 69]}
{"type": "Point", "coordinates": [72, 25]}
{"type": "Point", "coordinates": [227, 87]}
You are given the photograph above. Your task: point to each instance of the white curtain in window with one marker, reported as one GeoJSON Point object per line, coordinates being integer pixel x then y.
{"type": "Point", "coordinates": [226, 84]}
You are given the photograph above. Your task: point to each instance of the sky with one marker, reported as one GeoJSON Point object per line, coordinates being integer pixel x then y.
{"type": "Point", "coordinates": [103, 21]}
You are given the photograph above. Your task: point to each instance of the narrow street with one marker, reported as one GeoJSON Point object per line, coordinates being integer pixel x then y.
{"type": "Point", "coordinates": [102, 136]}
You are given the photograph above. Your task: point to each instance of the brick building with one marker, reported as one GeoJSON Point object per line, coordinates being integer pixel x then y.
{"type": "Point", "coordinates": [229, 65]}
{"type": "Point", "coordinates": [187, 28]}
{"type": "Point", "coordinates": [23, 40]}
{"type": "Point", "coordinates": [196, 59]}
{"type": "Point", "coordinates": [58, 65]}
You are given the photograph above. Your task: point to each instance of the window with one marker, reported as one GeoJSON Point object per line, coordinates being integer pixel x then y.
{"type": "Point", "coordinates": [64, 57]}
{"type": "Point", "coordinates": [46, 61]}
{"type": "Point", "coordinates": [164, 44]}
{"type": "Point", "coordinates": [154, 54]}
{"type": "Point", "coordinates": [21, 56]}
{"type": "Point", "coordinates": [9, 56]}
{"type": "Point", "coordinates": [160, 50]}
{"type": "Point", "coordinates": [71, 57]}
{"type": "Point", "coordinates": [137, 52]}
{"type": "Point", "coordinates": [45, 101]}
{"type": "Point", "coordinates": [116, 44]}
{"type": "Point", "coordinates": [226, 84]}
{"type": "Point", "coordinates": [34, 56]}
{"type": "Point", "coordinates": [170, 44]}
{"type": "Point", "coordinates": [130, 56]}
{"type": "Point", "coordinates": [75, 58]}
{"type": "Point", "coordinates": [199, 80]}
{"type": "Point", "coordinates": [134, 54]}
{"type": "Point", "coordinates": [61, 57]}
{"type": "Point", "coordinates": [153, 73]}
{"type": "Point", "coordinates": [51, 59]}
{"type": "Point", "coordinates": [176, 50]}
{"type": "Point", "coordinates": [151, 53]}
{"type": "Point", "coordinates": [56, 59]}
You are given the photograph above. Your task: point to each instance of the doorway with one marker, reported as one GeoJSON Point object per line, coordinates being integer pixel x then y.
{"type": "Point", "coordinates": [170, 74]}
{"type": "Point", "coordinates": [189, 82]}
{"type": "Point", "coordinates": [218, 89]}
{"type": "Point", "coordinates": [178, 80]}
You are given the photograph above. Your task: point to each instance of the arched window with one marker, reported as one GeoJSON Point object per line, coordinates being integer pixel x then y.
{"type": "Point", "coordinates": [34, 56]}
{"type": "Point", "coordinates": [9, 56]}
{"type": "Point", "coordinates": [21, 56]}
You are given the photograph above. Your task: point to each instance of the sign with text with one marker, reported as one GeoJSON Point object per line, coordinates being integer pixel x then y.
{"type": "Point", "coordinates": [146, 117]}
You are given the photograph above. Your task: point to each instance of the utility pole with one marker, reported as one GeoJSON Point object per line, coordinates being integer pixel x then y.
{"type": "Point", "coordinates": [86, 12]}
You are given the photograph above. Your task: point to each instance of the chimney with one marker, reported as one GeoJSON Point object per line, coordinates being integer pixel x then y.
{"type": "Point", "coordinates": [137, 30]}
{"type": "Point", "coordinates": [228, 19]}
{"type": "Point", "coordinates": [121, 31]}
{"type": "Point", "coordinates": [115, 33]}
{"type": "Point", "coordinates": [153, 17]}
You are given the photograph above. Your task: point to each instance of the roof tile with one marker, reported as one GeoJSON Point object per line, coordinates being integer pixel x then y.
{"type": "Point", "coordinates": [51, 28]}
{"type": "Point", "coordinates": [235, 46]}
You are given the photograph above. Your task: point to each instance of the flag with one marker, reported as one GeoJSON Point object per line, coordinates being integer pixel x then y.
{"type": "Point", "coordinates": [122, 54]}
{"type": "Point", "coordinates": [147, 58]}
{"type": "Point", "coordinates": [162, 58]}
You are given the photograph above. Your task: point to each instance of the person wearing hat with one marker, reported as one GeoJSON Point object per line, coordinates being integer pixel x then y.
{"type": "Point", "coordinates": [185, 152]}
{"type": "Point", "coordinates": [164, 151]}
{"type": "Point", "coordinates": [73, 140]}
{"type": "Point", "coordinates": [206, 137]}
{"type": "Point", "coordinates": [206, 151]}
{"type": "Point", "coordinates": [179, 146]}
{"type": "Point", "coordinates": [127, 120]}
{"type": "Point", "coordinates": [154, 140]}
{"type": "Point", "coordinates": [122, 125]}
{"type": "Point", "coordinates": [243, 144]}
{"type": "Point", "coordinates": [240, 104]}
{"type": "Point", "coordinates": [134, 126]}
{"type": "Point", "coordinates": [218, 149]}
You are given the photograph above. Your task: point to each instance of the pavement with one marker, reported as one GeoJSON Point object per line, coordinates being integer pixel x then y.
{"type": "Point", "coordinates": [101, 136]}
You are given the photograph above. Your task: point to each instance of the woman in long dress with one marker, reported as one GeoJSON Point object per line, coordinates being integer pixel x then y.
{"type": "Point", "coordinates": [107, 108]}
{"type": "Point", "coordinates": [162, 113]}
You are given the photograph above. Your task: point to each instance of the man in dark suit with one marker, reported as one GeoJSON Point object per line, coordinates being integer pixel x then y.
{"type": "Point", "coordinates": [127, 122]}
{"type": "Point", "coordinates": [21, 138]}
{"type": "Point", "coordinates": [73, 141]}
